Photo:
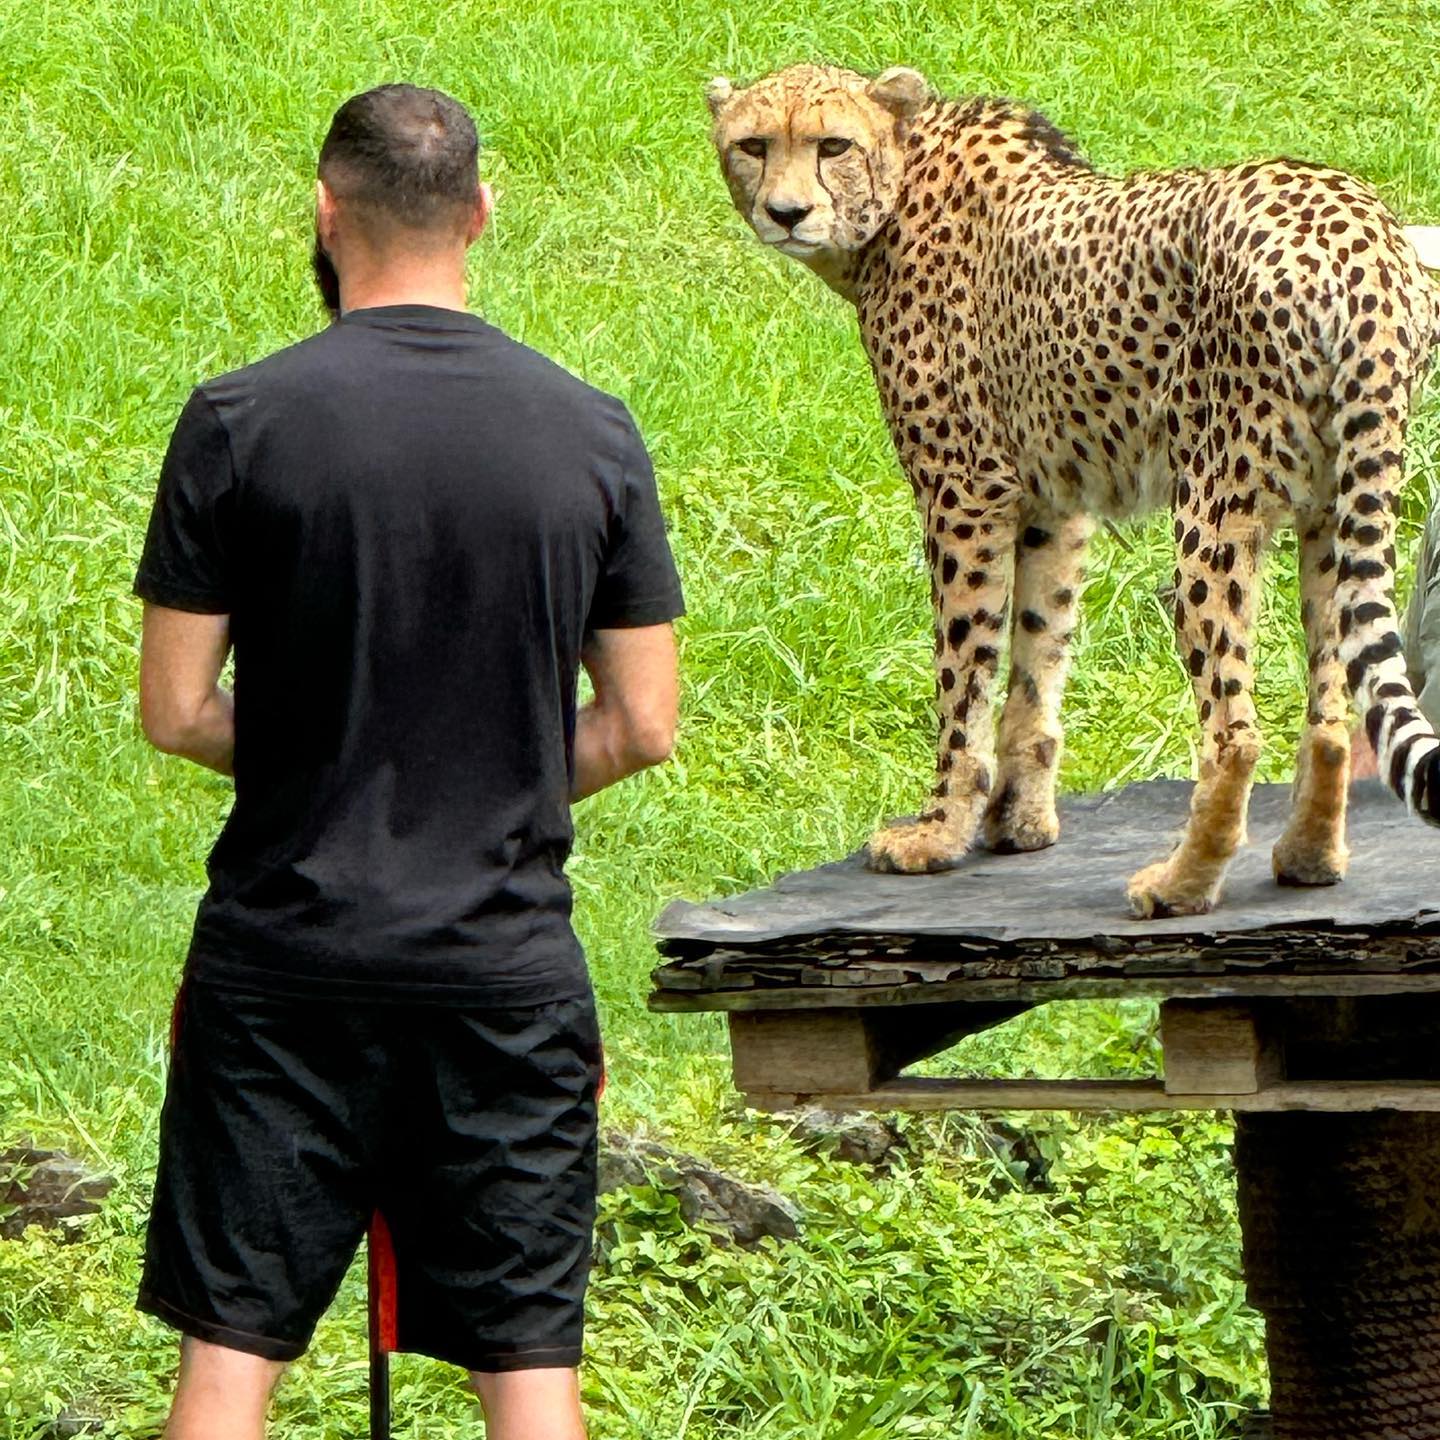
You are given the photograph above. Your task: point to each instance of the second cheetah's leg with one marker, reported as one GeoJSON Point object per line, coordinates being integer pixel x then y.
{"type": "Point", "coordinates": [1214, 617]}
{"type": "Point", "coordinates": [969, 543]}
{"type": "Point", "coordinates": [1312, 850]}
{"type": "Point", "coordinates": [1049, 566]}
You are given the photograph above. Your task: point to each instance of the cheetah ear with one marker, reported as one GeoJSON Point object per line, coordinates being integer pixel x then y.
{"type": "Point", "coordinates": [901, 90]}
{"type": "Point", "coordinates": [718, 93]}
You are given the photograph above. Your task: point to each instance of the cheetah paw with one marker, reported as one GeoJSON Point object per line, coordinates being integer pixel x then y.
{"type": "Point", "coordinates": [1016, 826]}
{"type": "Point", "coordinates": [1297, 863]}
{"type": "Point", "coordinates": [1157, 892]}
{"type": "Point", "coordinates": [914, 847]}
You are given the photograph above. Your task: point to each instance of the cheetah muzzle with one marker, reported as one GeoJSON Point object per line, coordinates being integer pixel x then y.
{"type": "Point", "coordinates": [1054, 346]}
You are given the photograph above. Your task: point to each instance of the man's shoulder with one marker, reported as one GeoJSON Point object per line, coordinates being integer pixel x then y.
{"type": "Point", "coordinates": [289, 363]}
{"type": "Point", "coordinates": [529, 380]}
{"type": "Point", "coordinates": [559, 411]}
{"type": "Point", "coordinates": [534, 368]}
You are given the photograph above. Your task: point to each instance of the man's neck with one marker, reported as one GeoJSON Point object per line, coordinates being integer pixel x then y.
{"type": "Point", "coordinates": [365, 288]}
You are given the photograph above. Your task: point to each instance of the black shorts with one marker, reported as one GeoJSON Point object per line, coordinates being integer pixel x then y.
{"type": "Point", "coordinates": [289, 1122]}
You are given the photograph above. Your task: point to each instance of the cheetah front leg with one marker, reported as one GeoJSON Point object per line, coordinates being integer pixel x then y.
{"type": "Point", "coordinates": [969, 542]}
{"type": "Point", "coordinates": [1215, 586]}
{"type": "Point", "coordinates": [1049, 567]}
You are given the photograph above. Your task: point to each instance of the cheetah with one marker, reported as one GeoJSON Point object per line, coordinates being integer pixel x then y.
{"type": "Point", "coordinates": [1055, 346]}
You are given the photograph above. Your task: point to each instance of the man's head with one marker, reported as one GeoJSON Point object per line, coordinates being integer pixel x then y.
{"type": "Point", "coordinates": [398, 181]}
{"type": "Point", "coordinates": [814, 155]}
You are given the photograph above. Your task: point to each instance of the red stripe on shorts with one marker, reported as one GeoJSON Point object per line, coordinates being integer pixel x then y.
{"type": "Point", "coordinates": [384, 1317]}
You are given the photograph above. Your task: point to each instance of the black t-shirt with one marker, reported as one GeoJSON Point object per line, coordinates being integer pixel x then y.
{"type": "Point", "coordinates": [412, 522]}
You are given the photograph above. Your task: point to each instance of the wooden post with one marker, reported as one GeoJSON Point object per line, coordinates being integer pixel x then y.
{"type": "Point", "coordinates": [1217, 1047]}
{"type": "Point", "coordinates": [802, 1052]}
{"type": "Point", "coordinates": [846, 1051]}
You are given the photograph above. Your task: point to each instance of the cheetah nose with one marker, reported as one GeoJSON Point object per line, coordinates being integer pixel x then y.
{"type": "Point", "coordinates": [788, 216]}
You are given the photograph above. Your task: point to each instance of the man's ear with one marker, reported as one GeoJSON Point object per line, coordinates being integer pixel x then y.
{"type": "Point", "coordinates": [718, 94]}
{"type": "Point", "coordinates": [901, 91]}
{"type": "Point", "coordinates": [324, 213]}
{"type": "Point", "coordinates": [480, 215]}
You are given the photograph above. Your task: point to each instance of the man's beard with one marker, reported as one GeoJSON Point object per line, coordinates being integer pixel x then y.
{"type": "Point", "coordinates": [326, 279]}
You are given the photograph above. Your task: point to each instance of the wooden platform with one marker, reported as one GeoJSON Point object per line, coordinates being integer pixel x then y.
{"type": "Point", "coordinates": [836, 979]}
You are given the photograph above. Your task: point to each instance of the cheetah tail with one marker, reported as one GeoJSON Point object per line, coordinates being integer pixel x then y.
{"type": "Point", "coordinates": [1369, 463]}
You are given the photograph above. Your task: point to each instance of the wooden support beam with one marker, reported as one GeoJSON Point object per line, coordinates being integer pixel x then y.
{"type": "Point", "coordinates": [1038, 992]}
{"type": "Point", "coordinates": [813, 1052]}
{"type": "Point", "coordinates": [901, 1037]}
{"type": "Point", "coordinates": [1219, 1055]}
{"type": "Point", "coordinates": [1217, 1047]}
{"type": "Point", "coordinates": [843, 1050]}
{"type": "Point", "coordinates": [923, 1093]}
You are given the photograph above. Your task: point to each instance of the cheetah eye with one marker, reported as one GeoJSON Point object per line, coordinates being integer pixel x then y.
{"type": "Point", "coordinates": [829, 149]}
{"type": "Point", "coordinates": [754, 146]}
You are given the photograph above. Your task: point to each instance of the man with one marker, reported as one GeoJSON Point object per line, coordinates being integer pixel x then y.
{"type": "Point", "coordinates": [414, 532]}
{"type": "Point", "coordinates": [1421, 642]}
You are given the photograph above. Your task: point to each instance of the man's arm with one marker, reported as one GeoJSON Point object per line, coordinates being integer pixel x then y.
{"type": "Point", "coordinates": [631, 721]}
{"type": "Point", "coordinates": [1422, 624]}
{"type": "Point", "coordinates": [182, 708]}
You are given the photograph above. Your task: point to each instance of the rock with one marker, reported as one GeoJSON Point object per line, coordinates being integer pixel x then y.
{"type": "Point", "coordinates": [859, 1139]}
{"type": "Point", "coordinates": [1019, 1152]}
{"type": "Point", "coordinates": [743, 1212]}
{"type": "Point", "coordinates": [627, 1161]}
{"type": "Point", "coordinates": [1258, 1426]}
{"type": "Point", "coordinates": [46, 1188]}
{"type": "Point", "coordinates": [748, 1213]}
{"type": "Point", "coordinates": [81, 1419]}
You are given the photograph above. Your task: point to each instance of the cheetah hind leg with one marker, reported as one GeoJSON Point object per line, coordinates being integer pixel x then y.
{"type": "Point", "coordinates": [1049, 566]}
{"type": "Point", "coordinates": [1215, 585]}
{"type": "Point", "coordinates": [1312, 850]}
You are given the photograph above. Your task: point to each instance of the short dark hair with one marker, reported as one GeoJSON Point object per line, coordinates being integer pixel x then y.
{"type": "Point", "coordinates": [406, 155]}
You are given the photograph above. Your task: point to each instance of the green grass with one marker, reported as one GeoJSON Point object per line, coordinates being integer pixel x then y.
{"type": "Point", "coordinates": [155, 169]}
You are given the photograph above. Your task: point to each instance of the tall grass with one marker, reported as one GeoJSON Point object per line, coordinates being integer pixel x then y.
{"type": "Point", "coordinates": [155, 167]}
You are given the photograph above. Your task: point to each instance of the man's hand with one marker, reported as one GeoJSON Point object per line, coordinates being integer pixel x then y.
{"type": "Point", "coordinates": [631, 722]}
{"type": "Point", "coordinates": [182, 707]}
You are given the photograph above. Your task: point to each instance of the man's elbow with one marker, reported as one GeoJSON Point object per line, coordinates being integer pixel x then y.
{"type": "Point", "coordinates": [650, 743]}
{"type": "Point", "coordinates": [165, 729]}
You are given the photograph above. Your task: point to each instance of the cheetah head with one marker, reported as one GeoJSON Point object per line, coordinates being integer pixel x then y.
{"type": "Point", "coordinates": [814, 156]}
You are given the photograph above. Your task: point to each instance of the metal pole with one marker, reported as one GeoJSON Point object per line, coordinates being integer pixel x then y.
{"type": "Point", "coordinates": [379, 1394]}
{"type": "Point", "coordinates": [380, 1272]}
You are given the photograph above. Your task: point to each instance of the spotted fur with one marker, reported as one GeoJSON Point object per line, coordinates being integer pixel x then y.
{"type": "Point", "coordinates": [1054, 345]}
